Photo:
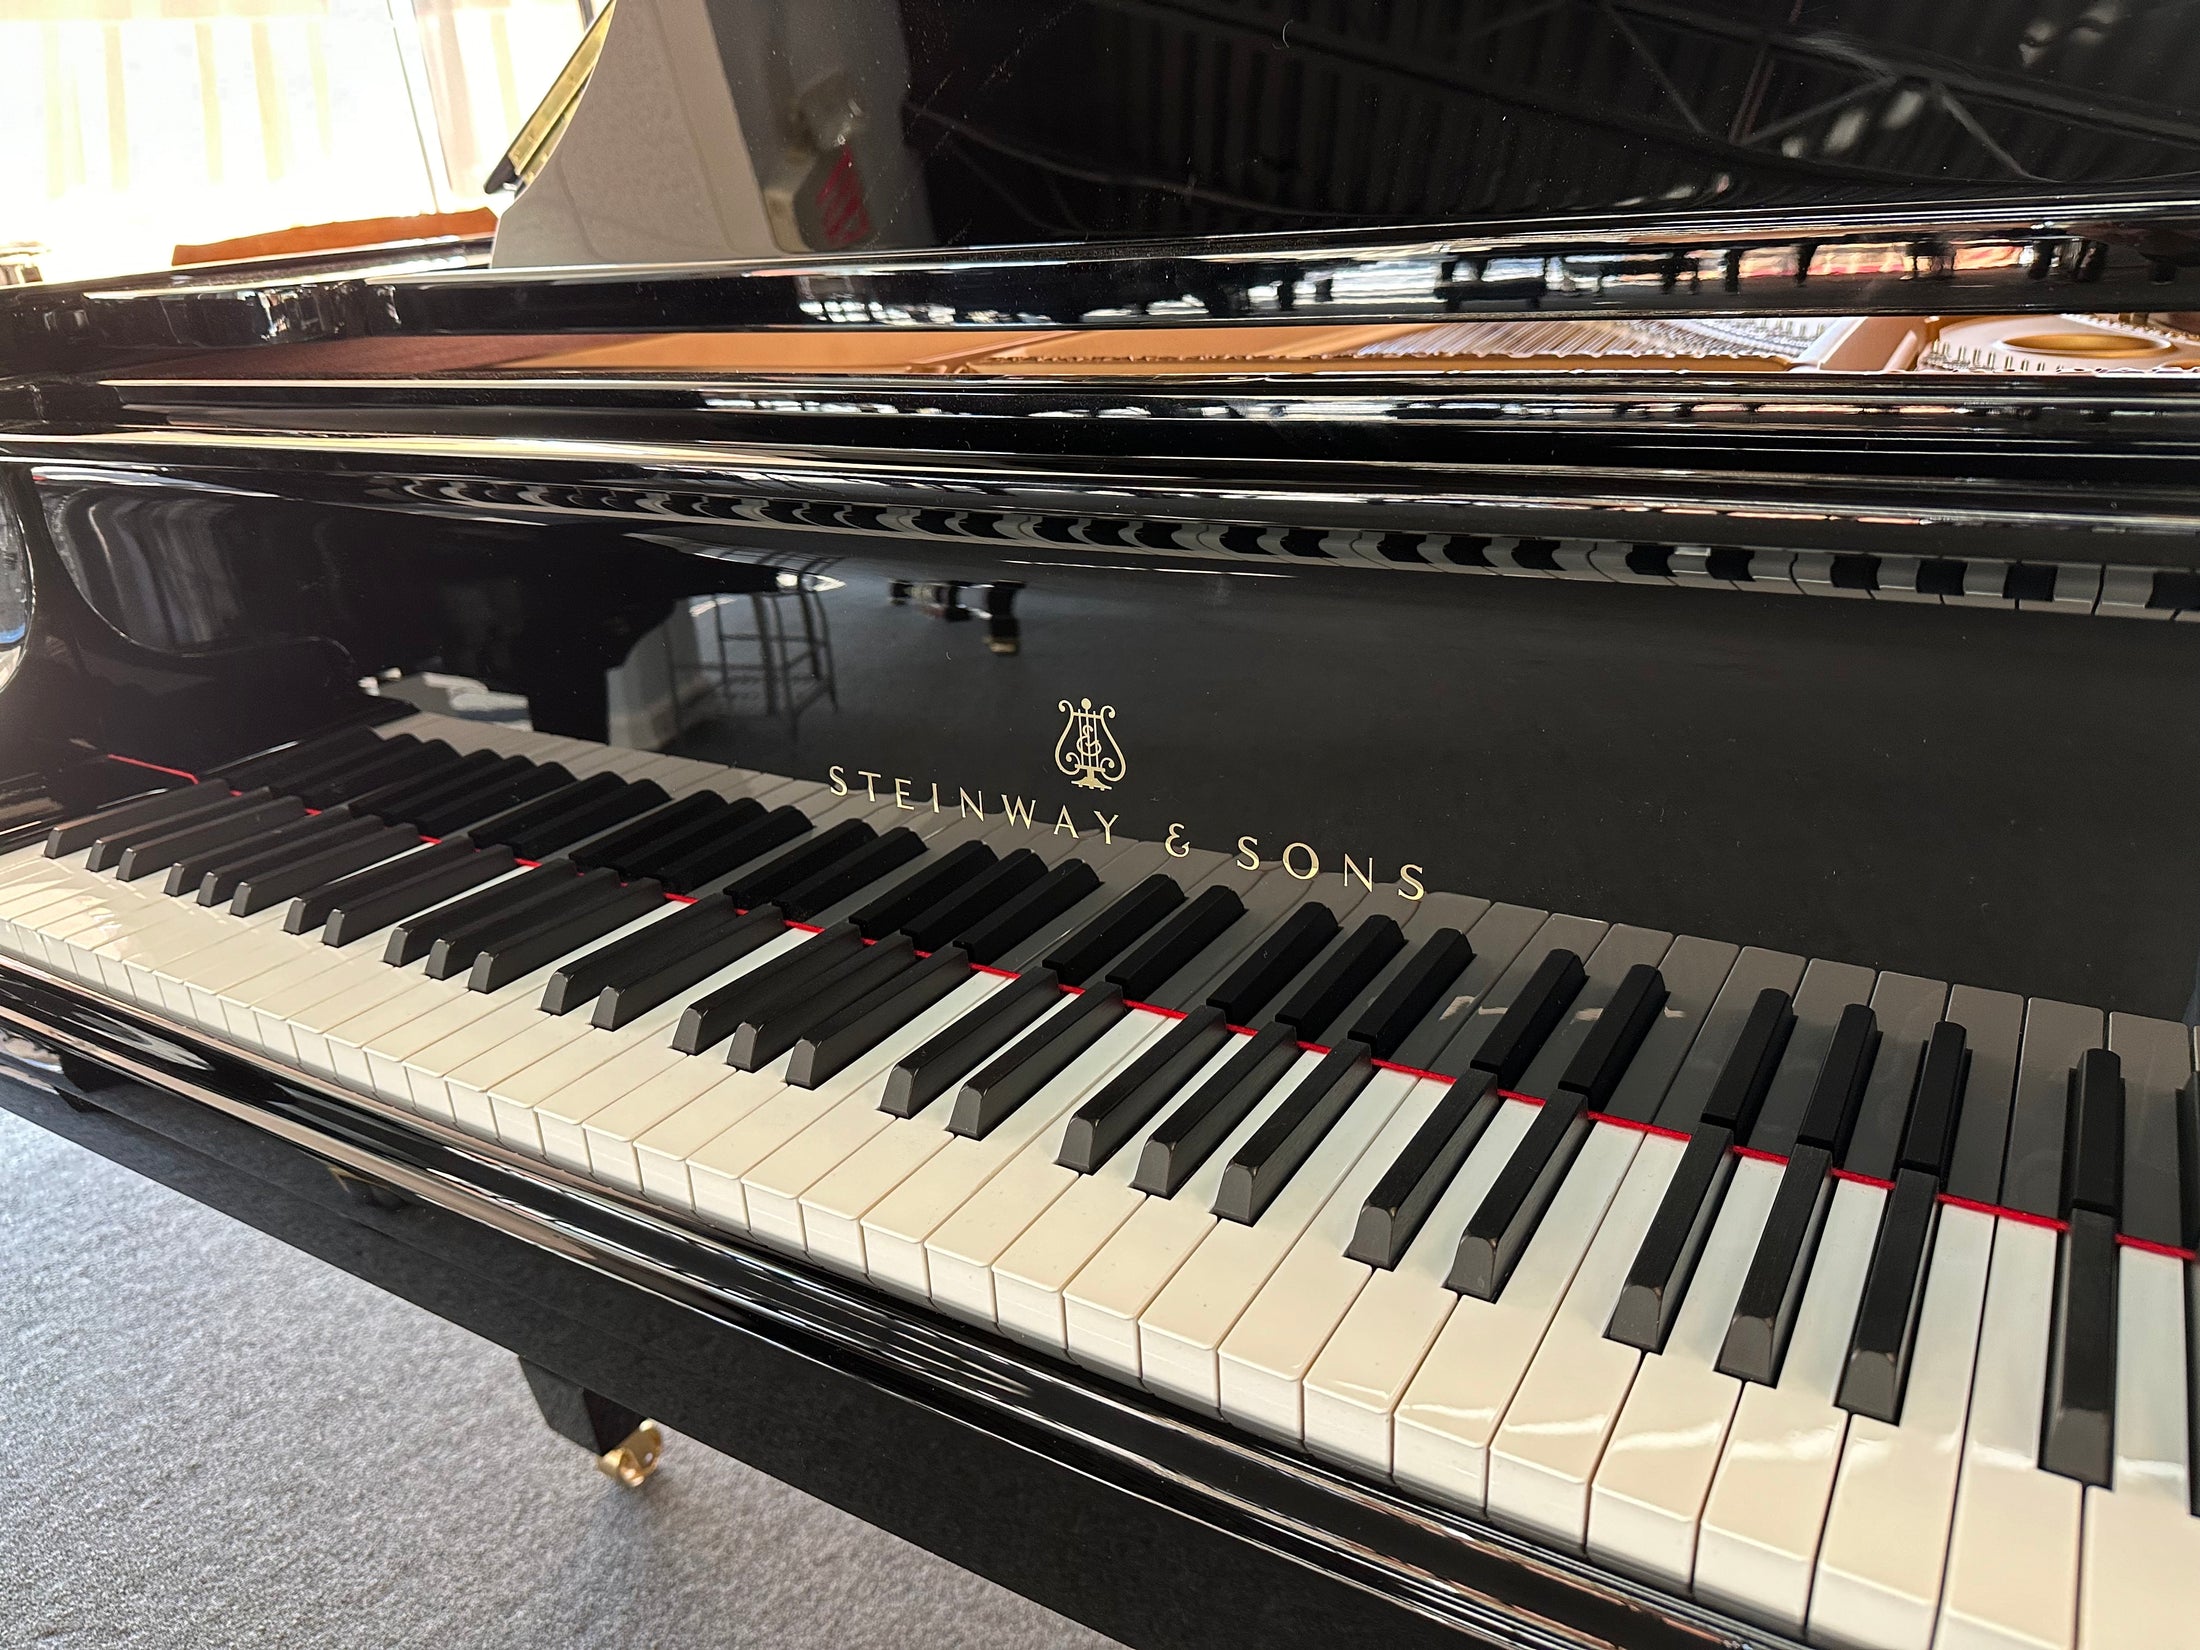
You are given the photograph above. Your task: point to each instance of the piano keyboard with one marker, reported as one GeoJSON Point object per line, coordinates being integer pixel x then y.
{"type": "Point", "coordinates": [1855, 1304]}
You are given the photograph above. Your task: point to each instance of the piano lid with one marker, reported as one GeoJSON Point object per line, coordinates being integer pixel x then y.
{"type": "Point", "coordinates": [744, 128]}
{"type": "Point", "coordinates": [867, 164]}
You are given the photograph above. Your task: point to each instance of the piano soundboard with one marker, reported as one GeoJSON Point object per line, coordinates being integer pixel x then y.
{"type": "Point", "coordinates": [1857, 1305]}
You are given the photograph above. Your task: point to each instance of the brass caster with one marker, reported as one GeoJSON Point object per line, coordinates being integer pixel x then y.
{"type": "Point", "coordinates": [634, 1457]}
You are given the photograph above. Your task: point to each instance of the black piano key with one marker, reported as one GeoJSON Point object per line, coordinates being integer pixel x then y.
{"type": "Point", "coordinates": [589, 818]}
{"type": "Point", "coordinates": [219, 876]}
{"type": "Point", "coordinates": [891, 910]}
{"type": "Point", "coordinates": [579, 980]}
{"type": "Point", "coordinates": [1189, 1135]}
{"type": "Point", "coordinates": [992, 1094]}
{"type": "Point", "coordinates": [1183, 935]}
{"type": "Point", "coordinates": [1829, 1118]}
{"type": "Point", "coordinates": [560, 932]}
{"type": "Point", "coordinates": [1418, 987]}
{"type": "Point", "coordinates": [925, 1073]}
{"type": "Point", "coordinates": [793, 866]}
{"type": "Point", "coordinates": [1264, 1165]}
{"type": "Point", "coordinates": [366, 760]}
{"type": "Point", "coordinates": [185, 875]}
{"type": "Point", "coordinates": [270, 766]}
{"type": "Point", "coordinates": [742, 847]}
{"type": "Point", "coordinates": [712, 1018]}
{"type": "Point", "coordinates": [109, 846]}
{"type": "Point", "coordinates": [411, 762]}
{"type": "Point", "coordinates": [1513, 1208]}
{"type": "Point", "coordinates": [1520, 1032]}
{"type": "Point", "coordinates": [310, 910]}
{"type": "Point", "coordinates": [885, 853]}
{"type": "Point", "coordinates": [976, 900]}
{"type": "Point", "coordinates": [774, 1025]}
{"type": "Point", "coordinates": [705, 832]}
{"type": "Point", "coordinates": [272, 884]}
{"type": "Point", "coordinates": [1885, 1331]}
{"type": "Point", "coordinates": [1764, 1313]}
{"type": "Point", "coordinates": [416, 935]}
{"type": "Point", "coordinates": [142, 859]}
{"type": "Point", "coordinates": [2188, 1174]}
{"type": "Point", "coordinates": [487, 797]}
{"type": "Point", "coordinates": [1604, 1055]}
{"type": "Point", "coordinates": [366, 902]}
{"type": "Point", "coordinates": [1739, 1091]}
{"type": "Point", "coordinates": [1340, 977]}
{"type": "Point", "coordinates": [1020, 918]}
{"type": "Point", "coordinates": [622, 1003]}
{"type": "Point", "coordinates": [1401, 1200]}
{"type": "Point", "coordinates": [2078, 1426]}
{"type": "Point", "coordinates": [828, 1049]}
{"type": "Point", "coordinates": [1930, 1137]}
{"type": "Point", "coordinates": [396, 800]}
{"type": "Point", "coordinates": [506, 828]}
{"type": "Point", "coordinates": [1274, 963]}
{"type": "Point", "coordinates": [1098, 1129]}
{"type": "Point", "coordinates": [454, 951]}
{"type": "Point", "coordinates": [1659, 1274]}
{"type": "Point", "coordinates": [653, 830]}
{"type": "Point", "coordinates": [2093, 1160]}
{"type": "Point", "coordinates": [716, 843]}
{"type": "Point", "coordinates": [1081, 956]}
{"type": "Point", "coordinates": [74, 834]}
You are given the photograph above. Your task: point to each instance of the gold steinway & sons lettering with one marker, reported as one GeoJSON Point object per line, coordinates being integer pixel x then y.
{"type": "Point", "coordinates": [1301, 860]}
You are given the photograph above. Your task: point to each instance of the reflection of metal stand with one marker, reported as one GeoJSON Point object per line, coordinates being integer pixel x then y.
{"type": "Point", "coordinates": [792, 643]}
{"type": "Point", "coordinates": [1003, 631]}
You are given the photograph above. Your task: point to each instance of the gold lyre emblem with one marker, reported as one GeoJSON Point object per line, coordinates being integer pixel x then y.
{"type": "Point", "coordinates": [1087, 750]}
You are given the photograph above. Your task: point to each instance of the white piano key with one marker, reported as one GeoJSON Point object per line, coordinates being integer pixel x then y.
{"type": "Point", "coordinates": [643, 1139]}
{"type": "Point", "coordinates": [1378, 1354]}
{"type": "Point", "coordinates": [2141, 1551]}
{"type": "Point", "coordinates": [719, 1169]}
{"type": "Point", "coordinates": [1886, 1539]}
{"type": "Point", "coordinates": [1649, 1490]}
{"type": "Point", "coordinates": [390, 1052]}
{"type": "Point", "coordinates": [1033, 1273]}
{"type": "Point", "coordinates": [1564, 1404]}
{"type": "Point", "coordinates": [427, 1070]}
{"type": "Point", "coordinates": [573, 1087]}
{"type": "Point", "coordinates": [773, 1190]}
{"type": "Point", "coordinates": [962, 1253]}
{"type": "Point", "coordinates": [1695, 972]}
{"type": "Point", "coordinates": [1181, 1333]}
{"type": "Point", "coordinates": [895, 1229]}
{"type": "Point", "coordinates": [833, 1208]}
{"type": "Point", "coordinates": [2141, 1554]}
{"type": "Point", "coordinates": [1761, 1523]}
{"type": "Point", "coordinates": [1269, 1359]}
{"type": "Point", "coordinates": [1621, 948]}
{"type": "Point", "coordinates": [1101, 1305]}
{"type": "Point", "coordinates": [2012, 1578]}
{"type": "Point", "coordinates": [1497, 936]}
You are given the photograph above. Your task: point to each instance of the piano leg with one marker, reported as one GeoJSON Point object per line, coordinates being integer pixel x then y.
{"type": "Point", "coordinates": [627, 1446]}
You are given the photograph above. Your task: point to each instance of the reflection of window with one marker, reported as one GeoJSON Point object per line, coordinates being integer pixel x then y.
{"type": "Point", "coordinates": [130, 126]}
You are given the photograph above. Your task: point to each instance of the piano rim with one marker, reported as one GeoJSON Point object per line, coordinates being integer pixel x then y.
{"type": "Point", "coordinates": [1509, 1591]}
{"type": "Point", "coordinates": [2091, 249]}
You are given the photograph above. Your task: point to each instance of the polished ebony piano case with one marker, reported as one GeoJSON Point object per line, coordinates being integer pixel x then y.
{"type": "Point", "coordinates": [1890, 667]}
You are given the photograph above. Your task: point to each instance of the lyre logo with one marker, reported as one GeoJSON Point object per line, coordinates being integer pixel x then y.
{"type": "Point", "coordinates": [1087, 750]}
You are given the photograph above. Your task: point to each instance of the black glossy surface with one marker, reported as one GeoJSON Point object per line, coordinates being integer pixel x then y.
{"type": "Point", "coordinates": [1784, 771]}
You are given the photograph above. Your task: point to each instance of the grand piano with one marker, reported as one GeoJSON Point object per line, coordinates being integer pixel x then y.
{"type": "Point", "coordinates": [1313, 824]}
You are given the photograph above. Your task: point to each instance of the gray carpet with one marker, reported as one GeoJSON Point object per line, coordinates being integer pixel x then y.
{"type": "Point", "coordinates": [334, 1468]}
